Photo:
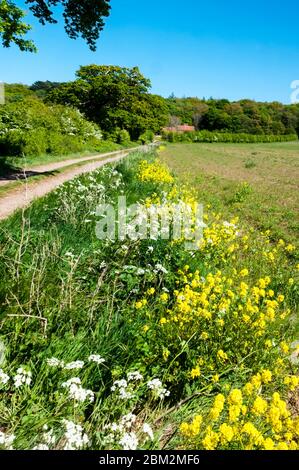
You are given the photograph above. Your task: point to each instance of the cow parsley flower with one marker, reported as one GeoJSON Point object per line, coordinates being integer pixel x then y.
{"type": "Point", "coordinates": [124, 394]}
{"type": "Point", "coordinates": [159, 391]}
{"type": "Point", "coordinates": [23, 377]}
{"type": "Point", "coordinates": [74, 365]}
{"type": "Point", "coordinates": [54, 362]}
{"type": "Point", "coordinates": [96, 358]}
{"type": "Point", "coordinates": [75, 436]}
{"type": "Point", "coordinates": [41, 447]}
{"type": "Point", "coordinates": [134, 376]}
{"type": "Point", "coordinates": [160, 268]}
{"type": "Point", "coordinates": [48, 435]}
{"type": "Point", "coordinates": [128, 420]}
{"type": "Point", "coordinates": [77, 392]}
{"type": "Point", "coordinates": [6, 440]}
{"type": "Point", "coordinates": [148, 430]}
{"type": "Point", "coordinates": [4, 378]}
{"type": "Point", "coordinates": [129, 441]}
{"type": "Point", "coordinates": [121, 386]}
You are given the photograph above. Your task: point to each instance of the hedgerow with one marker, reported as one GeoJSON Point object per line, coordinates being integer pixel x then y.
{"type": "Point", "coordinates": [222, 137]}
{"type": "Point", "coordinates": [30, 128]}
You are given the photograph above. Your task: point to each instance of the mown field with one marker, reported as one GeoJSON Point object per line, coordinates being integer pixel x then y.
{"type": "Point", "coordinates": [143, 344]}
{"type": "Point", "coordinates": [258, 182]}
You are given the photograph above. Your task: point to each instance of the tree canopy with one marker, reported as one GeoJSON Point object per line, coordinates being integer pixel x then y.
{"type": "Point", "coordinates": [114, 97]}
{"type": "Point", "coordinates": [244, 116]}
{"type": "Point", "coordinates": [82, 19]}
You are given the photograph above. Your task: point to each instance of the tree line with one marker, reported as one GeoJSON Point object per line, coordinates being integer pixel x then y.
{"type": "Point", "coordinates": [119, 103]}
{"type": "Point", "coordinates": [116, 97]}
{"type": "Point", "coordinates": [244, 116]}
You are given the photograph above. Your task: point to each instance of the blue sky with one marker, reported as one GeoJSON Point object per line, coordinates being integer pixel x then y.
{"type": "Point", "coordinates": [225, 49]}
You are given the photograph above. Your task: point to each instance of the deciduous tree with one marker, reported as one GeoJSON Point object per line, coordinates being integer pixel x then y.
{"type": "Point", "coordinates": [83, 18]}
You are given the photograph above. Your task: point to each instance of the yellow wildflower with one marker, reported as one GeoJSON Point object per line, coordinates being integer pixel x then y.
{"type": "Point", "coordinates": [226, 433]}
{"type": "Point", "coordinates": [235, 397]}
{"type": "Point", "coordinates": [222, 356]}
{"type": "Point", "coordinates": [195, 373]}
{"type": "Point", "coordinates": [259, 406]}
{"type": "Point", "coordinates": [210, 440]}
{"type": "Point", "coordinates": [244, 272]}
{"type": "Point", "coordinates": [266, 376]}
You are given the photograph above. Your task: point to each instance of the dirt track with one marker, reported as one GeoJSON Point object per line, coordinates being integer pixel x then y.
{"type": "Point", "coordinates": [24, 194]}
{"type": "Point", "coordinates": [50, 167]}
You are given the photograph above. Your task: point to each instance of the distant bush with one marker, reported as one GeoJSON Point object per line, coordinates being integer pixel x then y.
{"type": "Point", "coordinates": [250, 164]}
{"type": "Point", "coordinates": [147, 137]}
{"type": "Point", "coordinates": [243, 191]}
{"type": "Point", "coordinates": [32, 128]}
{"type": "Point", "coordinates": [118, 136]}
{"type": "Point", "coordinates": [212, 137]}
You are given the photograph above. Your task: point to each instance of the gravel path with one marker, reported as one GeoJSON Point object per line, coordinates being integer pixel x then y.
{"type": "Point", "coordinates": [24, 194]}
{"type": "Point", "coordinates": [47, 168]}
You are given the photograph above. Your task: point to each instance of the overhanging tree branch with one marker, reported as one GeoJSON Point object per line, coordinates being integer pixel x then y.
{"type": "Point", "coordinates": [84, 18]}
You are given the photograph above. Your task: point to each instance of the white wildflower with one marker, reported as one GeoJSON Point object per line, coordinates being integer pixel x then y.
{"type": "Point", "coordinates": [77, 392]}
{"type": "Point", "coordinates": [148, 430]}
{"type": "Point", "coordinates": [228, 224]}
{"type": "Point", "coordinates": [54, 362]}
{"type": "Point", "coordinates": [121, 387]}
{"type": "Point", "coordinates": [41, 447]}
{"type": "Point", "coordinates": [109, 439]}
{"type": "Point", "coordinates": [140, 272]}
{"type": "Point", "coordinates": [23, 377]}
{"type": "Point", "coordinates": [124, 394]}
{"type": "Point", "coordinates": [134, 376]}
{"type": "Point", "coordinates": [119, 384]}
{"type": "Point", "coordinates": [158, 389]}
{"type": "Point", "coordinates": [160, 268]}
{"type": "Point", "coordinates": [49, 437]}
{"type": "Point", "coordinates": [129, 441]}
{"type": "Point", "coordinates": [96, 358]}
{"type": "Point", "coordinates": [4, 378]}
{"type": "Point", "coordinates": [6, 440]}
{"type": "Point", "coordinates": [116, 427]}
{"type": "Point", "coordinates": [128, 420]}
{"type": "Point", "coordinates": [74, 365]}
{"type": "Point", "coordinates": [75, 436]}
{"type": "Point", "coordinates": [154, 384]}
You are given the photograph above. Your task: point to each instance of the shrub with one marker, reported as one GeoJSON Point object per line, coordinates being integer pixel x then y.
{"type": "Point", "coordinates": [119, 136]}
{"type": "Point", "coordinates": [212, 137]}
{"type": "Point", "coordinates": [33, 128]}
{"type": "Point", "coordinates": [147, 137]}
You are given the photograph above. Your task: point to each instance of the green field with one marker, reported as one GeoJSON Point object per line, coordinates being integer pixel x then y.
{"type": "Point", "coordinates": [219, 171]}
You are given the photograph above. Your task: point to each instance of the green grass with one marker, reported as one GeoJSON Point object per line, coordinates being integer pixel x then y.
{"type": "Point", "coordinates": [218, 171]}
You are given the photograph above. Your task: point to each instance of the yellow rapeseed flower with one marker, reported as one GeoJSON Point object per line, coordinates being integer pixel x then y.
{"type": "Point", "coordinates": [195, 373]}
{"type": "Point", "coordinates": [222, 356]}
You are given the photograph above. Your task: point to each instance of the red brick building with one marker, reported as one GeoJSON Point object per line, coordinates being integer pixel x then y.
{"type": "Point", "coordinates": [181, 128]}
